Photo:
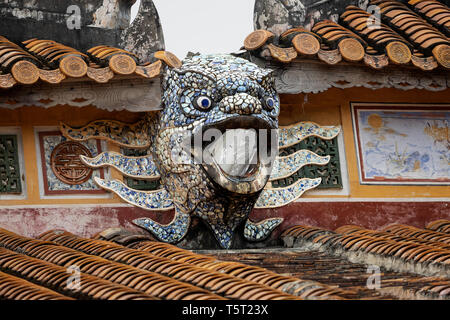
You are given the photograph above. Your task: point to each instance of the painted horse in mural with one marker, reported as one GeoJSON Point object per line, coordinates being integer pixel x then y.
{"type": "Point", "coordinates": [213, 146]}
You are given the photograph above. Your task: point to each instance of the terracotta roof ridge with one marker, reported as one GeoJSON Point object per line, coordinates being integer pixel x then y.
{"type": "Point", "coordinates": [398, 35]}
{"type": "Point", "coordinates": [46, 60]}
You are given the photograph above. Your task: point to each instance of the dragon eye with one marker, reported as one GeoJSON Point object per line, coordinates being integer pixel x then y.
{"type": "Point", "coordinates": [203, 103]}
{"type": "Point", "coordinates": [270, 103]}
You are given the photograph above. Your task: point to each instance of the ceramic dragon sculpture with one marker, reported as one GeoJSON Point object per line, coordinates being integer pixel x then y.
{"type": "Point", "coordinates": [206, 103]}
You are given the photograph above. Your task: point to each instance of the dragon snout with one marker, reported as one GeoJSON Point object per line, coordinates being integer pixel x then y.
{"type": "Point", "coordinates": [241, 103]}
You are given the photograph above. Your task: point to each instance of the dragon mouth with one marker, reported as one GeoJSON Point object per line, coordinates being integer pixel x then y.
{"type": "Point", "coordinates": [235, 153]}
{"type": "Point", "coordinates": [238, 153]}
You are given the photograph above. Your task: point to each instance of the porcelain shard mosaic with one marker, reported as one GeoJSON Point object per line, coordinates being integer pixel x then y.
{"type": "Point", "coordinates": [135, 167]}
{"type": "Point", "coordinates": [260, 231]}
{"type": "Point", "coordinates": [236, 98]}
{"type": "Point", "coordinates": [150, 200]}
{"type": "Point", "coordinates": [167, 233]}
{"type": "Point", "coordinates": [274, 198]}
{"type": "Point", "coordinates": [291, 135]}
{"type": "Point", "coordinates": [286, 166]}
{"type": "Point", "coordinates": [127, 135]}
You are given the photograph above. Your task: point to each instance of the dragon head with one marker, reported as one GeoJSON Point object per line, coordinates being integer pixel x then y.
{"type": "Point", "coordinates": [213, 146]}
{"type": "Point", "coordinates": [217, 139]}
{"type": "Point", "coordinates": [229, 109]}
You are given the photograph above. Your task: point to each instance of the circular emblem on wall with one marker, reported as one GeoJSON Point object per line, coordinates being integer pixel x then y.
{"type": "Point", "coordinates": [66, 164]}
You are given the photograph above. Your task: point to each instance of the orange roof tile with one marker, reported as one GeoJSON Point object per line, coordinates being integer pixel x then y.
{"type": "Point", "coordinates": [155, 271]}
{"type": "Point", "coordinates": [399, 248]}
{"type": "Point", "coordinates": [52, 62]}
{"type": "Point", "coordinates": [415, 34]}
{"type": "Point", "coordinates": [318, 268]}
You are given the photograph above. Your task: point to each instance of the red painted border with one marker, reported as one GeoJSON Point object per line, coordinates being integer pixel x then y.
{"type": "Point", "coordinates": [387, 107]}
{"type": "Point", "coordinates": [86, 221]}
{"type": "Point", "coordinates": [44, 168]}
{"type": "Point", "coordinates": [372, 215]}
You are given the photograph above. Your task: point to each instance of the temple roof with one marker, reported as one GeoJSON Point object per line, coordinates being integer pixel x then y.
{"type": "Point", "coordinates": [36, 60]}
{"type": "Point", "coordinates": [112, 271]}
{"type": "Point", "coordinates": [317, 264]}
{"type": "Point", "coordinates": [404, 33]}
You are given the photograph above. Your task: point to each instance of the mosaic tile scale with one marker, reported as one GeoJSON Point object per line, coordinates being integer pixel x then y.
{"type": "Point", "coordinates": [124, 134]}
{"type": "Point", "coordinates": [171, 232]}
{"type": "Point", "coordinates": [149, 200]}
{"type": "Point", "coordinates": [290, 135]}
{"type": "Point", "coordinates": [275, 198]}
{"type": "Point", "coordinates": [284, 167]}
{"type": "Point", "coordinates": [134, 167]}
{"type": "Point", "coordinates": [261, 230]}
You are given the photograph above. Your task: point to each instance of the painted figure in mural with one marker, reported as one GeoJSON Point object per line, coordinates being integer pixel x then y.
{"type": "Point", "coordinates": [214, 147]}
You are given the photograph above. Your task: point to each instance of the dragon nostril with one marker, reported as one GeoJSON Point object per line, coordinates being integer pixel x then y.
{"type": "Point", "coordinates": [241, 103]}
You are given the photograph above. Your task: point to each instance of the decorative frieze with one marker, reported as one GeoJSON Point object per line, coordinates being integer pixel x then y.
{"type": "Point", "coordinates": [312, 77]}
{"type": "Point", "coordinates": [130, 94]}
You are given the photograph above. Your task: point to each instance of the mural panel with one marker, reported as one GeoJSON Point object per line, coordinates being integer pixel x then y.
{"type": "Point", "coordinates": [402, 145]}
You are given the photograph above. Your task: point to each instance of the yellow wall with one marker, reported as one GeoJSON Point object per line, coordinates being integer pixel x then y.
{"type": "Point", "coordinates": [333, 108]}
{"type": "Point", "coordinates": [328, 108]}
{"type": "Point", "coordinates": [29, 117]}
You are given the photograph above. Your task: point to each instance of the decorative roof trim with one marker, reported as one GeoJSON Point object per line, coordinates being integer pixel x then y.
{"type": "Point", "coordinates": [135, 95]}
{"type": "Point", "coordinates": [309, 76]}
{"type": "Point", "coordinates": [361, 37]}
{"type": "Point", "coordinates": [55, 63]}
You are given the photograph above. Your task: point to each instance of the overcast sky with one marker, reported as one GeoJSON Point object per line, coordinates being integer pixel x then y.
{"type": "Point", "coordinates": [205, 26]}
